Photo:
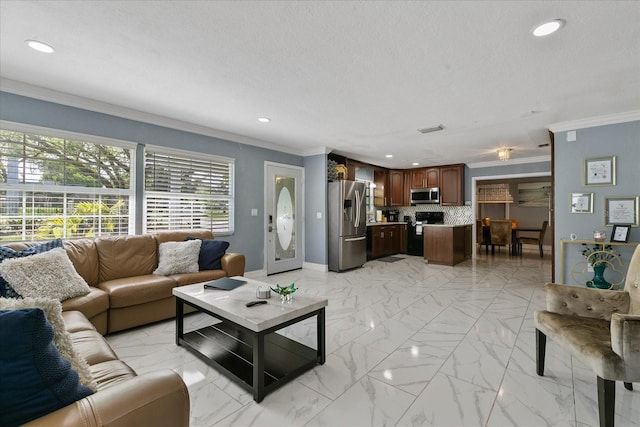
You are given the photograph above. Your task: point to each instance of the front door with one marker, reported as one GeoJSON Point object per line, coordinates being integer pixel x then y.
{"type": "Point", "coordinates": [283, 217]}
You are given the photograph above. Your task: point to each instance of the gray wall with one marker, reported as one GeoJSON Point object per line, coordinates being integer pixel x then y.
{"type": "Point", "coordinates": [249, 160]}
{"type": "Point", "coordinates": [315, 189]}
{"type": "Point", "coordinates": [620, 140]}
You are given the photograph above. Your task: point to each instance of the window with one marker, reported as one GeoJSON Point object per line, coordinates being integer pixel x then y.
{"type": "Point", "coordinates": [185, 190]}
{"type": "Point", "coordinates": [56, 184]}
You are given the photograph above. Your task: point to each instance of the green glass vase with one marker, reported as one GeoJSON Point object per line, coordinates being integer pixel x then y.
{"type": "Point", "coordinates": [598, 280]}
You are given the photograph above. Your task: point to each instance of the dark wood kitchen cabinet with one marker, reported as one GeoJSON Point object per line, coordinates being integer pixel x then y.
{"type": "Point", "coordinates": [452, 185]}
{"type": "Point", "coordinates": [432, 177]}
{"type": "Point", "coordinates": [445, 245]}
{"type": "Point", "coordinates": [380, 191]}
{"type": "Point", "coordinates": [418, 178]}
{"type": "Point", "coordinates": [402, 230]}
{"type": "Point", "coordinates": [384, 240]}
{"type": "Point", "coordinates": [396, 184]}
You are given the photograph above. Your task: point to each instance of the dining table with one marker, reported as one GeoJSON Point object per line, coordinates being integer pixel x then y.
{"type": "Point", "coordinates": [515, 231]}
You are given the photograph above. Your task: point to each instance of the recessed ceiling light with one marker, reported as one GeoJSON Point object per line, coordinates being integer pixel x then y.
{"type": "Point", "coordinates": [415, 164]}
{"type": "Point", "coordinates": [39, 46]}
{"type": "Point", "coordinates": [548, 27]}
{"type": "Point", "coordinates": [264, 119]}
{"type": "Point", "coordinates": [388, 156]}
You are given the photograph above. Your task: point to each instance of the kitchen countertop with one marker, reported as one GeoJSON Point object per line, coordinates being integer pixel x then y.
{"type": "Point", "coordinates": [445, 225]}
{"type": "Point", "coordinates": [373, 224]}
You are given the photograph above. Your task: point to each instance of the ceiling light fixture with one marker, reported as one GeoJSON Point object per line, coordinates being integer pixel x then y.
{"type": "Point", "coordinates": [415, 164]}
{"type": "Point", "coordinates": [389, 156]}
{"type": "Point", "coordinates": [548, 27]}
{"type": "Point", "coordinates": [264, 119]}
{"type": "Point", "coordinates": [504, 154]}
{"type": "Point", "coordinates": [40, 46]}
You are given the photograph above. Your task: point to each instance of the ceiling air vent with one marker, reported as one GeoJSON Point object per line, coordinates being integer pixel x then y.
{"type": "Point", "coordinates": [431, 129]}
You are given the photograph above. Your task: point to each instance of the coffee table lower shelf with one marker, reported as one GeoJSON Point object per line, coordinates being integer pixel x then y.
{"type": "Point", "coordinates": [231, 349]}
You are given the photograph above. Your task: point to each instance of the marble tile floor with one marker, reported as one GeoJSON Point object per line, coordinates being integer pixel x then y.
{"type": "Point", "coordinates": [408, 344]}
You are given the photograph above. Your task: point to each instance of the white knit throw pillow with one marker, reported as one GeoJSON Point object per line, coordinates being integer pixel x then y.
{"type": "Point", "coordinates": [178, 257]}
{"type": "Point", "coordinates": [47, 275]}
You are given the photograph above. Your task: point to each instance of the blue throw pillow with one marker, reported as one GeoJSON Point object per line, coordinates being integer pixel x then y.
{"type": "Point", "coordinates": [211, 252]}
{"type": "Point", "coordinates": [35, 379]}
{"type": "Point", "coordinates": [8, 253]}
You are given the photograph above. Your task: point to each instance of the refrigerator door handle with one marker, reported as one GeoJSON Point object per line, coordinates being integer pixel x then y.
{"type": "Point", "coordinates": [357, 221]}
{"type": "Point", "coordinates": [355, 239]}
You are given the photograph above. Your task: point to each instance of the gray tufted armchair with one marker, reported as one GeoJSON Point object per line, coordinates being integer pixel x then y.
{"type": "Point", "coordinates": [601, 328]}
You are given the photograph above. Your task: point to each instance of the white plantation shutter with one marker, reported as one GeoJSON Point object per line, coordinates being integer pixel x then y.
{"type": "Point", "coordinates": [185, 190]}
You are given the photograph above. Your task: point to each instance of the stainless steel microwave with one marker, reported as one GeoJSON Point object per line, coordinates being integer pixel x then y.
{"type": "Point", "coordinates": [425, 195]}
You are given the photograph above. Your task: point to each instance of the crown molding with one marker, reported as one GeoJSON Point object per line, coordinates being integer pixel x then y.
{"type": "Point", "coordinates": [611, 119]}
{"type": "Point", "coordinates": [316, 151]}
{"type": "Point", "coordinates": [519, 161]}
{"type": "Point", "coordinates": [24, 89]}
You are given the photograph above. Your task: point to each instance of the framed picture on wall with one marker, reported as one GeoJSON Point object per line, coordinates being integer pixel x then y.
{"type": "Point", "coordinates": [620, 233]}
{"type": "Point", "coordinates": [621, 211]}
{"type": "Point", "coordinates": [599, 171]}
{"type": "Point", "coordinates": [581, 202]}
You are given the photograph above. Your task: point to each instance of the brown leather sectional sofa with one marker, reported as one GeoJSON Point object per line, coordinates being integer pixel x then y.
{"type": "Point", "coordinates": [158, 398]}
{"type": "Point", "coordinates": [124, 292]}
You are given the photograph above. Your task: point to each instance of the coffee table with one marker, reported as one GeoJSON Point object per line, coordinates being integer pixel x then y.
{"type": "Point", "coordinates": [244, 345]}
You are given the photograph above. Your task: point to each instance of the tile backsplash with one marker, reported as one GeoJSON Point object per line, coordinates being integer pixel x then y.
{"type": "Point", "coordinates": [452, 214]}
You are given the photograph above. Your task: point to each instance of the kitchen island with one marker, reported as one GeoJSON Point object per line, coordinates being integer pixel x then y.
{"type": "Point", "coordinates": [447, 244]}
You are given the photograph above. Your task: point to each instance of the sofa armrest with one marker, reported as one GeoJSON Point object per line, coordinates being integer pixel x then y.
{"type": "Point", "coordinates": [233, 264]}
{"type": "Point", "coordinates": [585, 302]}
{"type": "Point", "coordinates": [625, 341]}
{"type": "Point", "coordinates": [158, 398]}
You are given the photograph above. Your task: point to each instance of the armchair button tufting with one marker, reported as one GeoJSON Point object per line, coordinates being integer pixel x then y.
{"type": "Point", "coordinates": [564, 304]}
{"type": "Point", "coordinates": [575, 295]}
{"type": "Point", "coordinates": [601, 299]}
{"type": "Point", "coordinates": [589, 307]}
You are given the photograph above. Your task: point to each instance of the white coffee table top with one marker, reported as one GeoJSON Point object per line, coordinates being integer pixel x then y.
{"type": "Point", "coordinates": [231, 304]}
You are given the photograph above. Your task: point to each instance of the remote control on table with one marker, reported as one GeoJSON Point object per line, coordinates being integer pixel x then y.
{"type": "Point", "coordinates": [252, 303]}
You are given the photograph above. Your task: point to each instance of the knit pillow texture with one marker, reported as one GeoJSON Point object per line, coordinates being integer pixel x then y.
{"type": "Point", "coordinates": [47, 275]}
{"type": "Point", "coordinates": [36, 380]}
{"type": "Point", "coordinates": [7, 253]}
{"type": "Point", "coordinates": [178, 257]}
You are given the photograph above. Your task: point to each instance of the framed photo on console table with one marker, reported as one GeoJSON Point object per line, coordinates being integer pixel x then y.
{"type": "Point", "coordinates": [620, 233]}
{"type": "Point", "coordinates": [600, 171]}
{"type": "Point", "coordinates": [621, 211]}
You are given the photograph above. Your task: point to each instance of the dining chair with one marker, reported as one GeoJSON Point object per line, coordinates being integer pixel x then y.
{"type": "Point", "coordinates": [481, 237]}
{"type": "Point", "coordinates": [539, 240]}
{"type": "Point", "coordinates": [500, 232]}
{"type": "Point", "coordinates": [600, 328]}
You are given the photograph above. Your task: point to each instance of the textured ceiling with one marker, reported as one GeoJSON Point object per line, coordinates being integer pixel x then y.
{"type": "Point", "coordinates": [356, 77]}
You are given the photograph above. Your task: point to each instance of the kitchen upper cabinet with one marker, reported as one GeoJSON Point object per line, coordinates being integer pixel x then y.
{"type": "Point", "coordinates": [396, 184]}
{"type": "Point", "coordinates": [452, 185]}
{"type": "Point", "coordinates": [380, 192]}
{"type": "Point", "coordinates": [418, 178]}
{"type": "Point", "coordinates": [432, 177]}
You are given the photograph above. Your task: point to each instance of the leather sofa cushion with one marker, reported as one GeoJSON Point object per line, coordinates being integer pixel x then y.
{"type": "Point", "coordinates": [75, 321]}
{"type": "Point", "coordinates": [179, 236]}
{"type": "Point", "coordinates": [201, 276]}
{"type": "Point", "coordinates": [137, 290]}
{"type": "Point", "coordinates": [84, 256]}
{"type": "Point", "coordinates": [111, 372]}
{"type": "Point", "coordinates": [92, 304]}
{"type": "Point", "coordinates": [126, 256]}
{"type": "Point", "coordinates": [92, 346]}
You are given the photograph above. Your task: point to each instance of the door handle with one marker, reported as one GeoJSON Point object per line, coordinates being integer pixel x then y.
{"type": "Point", "coordinates": [355, 239]}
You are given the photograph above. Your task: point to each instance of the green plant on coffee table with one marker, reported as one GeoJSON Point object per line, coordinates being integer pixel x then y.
{"type": "Point", "coordinates": [284, 291]}
{"type": "Point", "coordinates": [599, 254]}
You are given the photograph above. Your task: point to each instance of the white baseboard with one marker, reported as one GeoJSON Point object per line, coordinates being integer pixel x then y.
{"type": "Point", "coordinates": [315, 267]}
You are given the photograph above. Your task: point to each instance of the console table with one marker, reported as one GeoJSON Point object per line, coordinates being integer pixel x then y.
{"type": "Point", "coordinates": [564, 242]}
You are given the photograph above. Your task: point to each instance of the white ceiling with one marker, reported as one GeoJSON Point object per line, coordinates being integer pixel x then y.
{"type": "Point", "coordinates": [356, 77]}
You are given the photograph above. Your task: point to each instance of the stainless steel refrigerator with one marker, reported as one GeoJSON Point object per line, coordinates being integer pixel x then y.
{"type": "Point", "coordinates": [347, 225]}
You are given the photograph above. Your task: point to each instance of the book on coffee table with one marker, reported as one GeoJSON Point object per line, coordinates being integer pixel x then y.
{"type": "Point", "coordinates": [225, 284]}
